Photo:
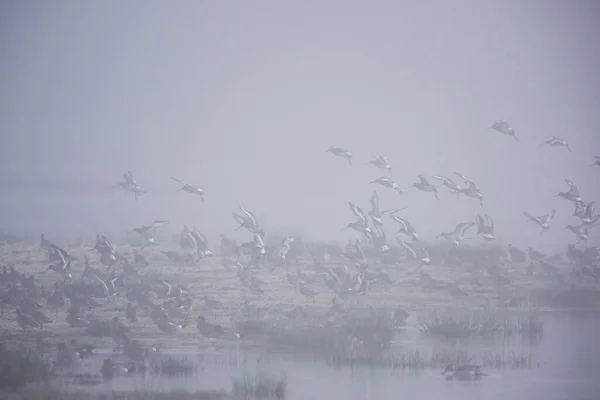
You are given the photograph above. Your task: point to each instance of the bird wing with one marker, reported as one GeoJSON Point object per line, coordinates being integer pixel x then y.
{"type": "Point", "coordinates": [358, 212]}
{"type": "Point", "coordinates": [443, 179]}
{"type": "Point", "coordinates": [480, 223]}
{"type": "Point", "coordinates": [465, 178]}
{"type": "Point", "coordinates": [374, 202]}
{"type": "Point", "coordinates": [548, 217]}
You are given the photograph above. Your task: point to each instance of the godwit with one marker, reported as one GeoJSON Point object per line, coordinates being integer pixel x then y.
{"type": "Point", "coordinates": [341, 152]}
{"type": "Point", "coordinates": [405, 227]}
{"type": "Point", "coordinates": [131, 185]}
{"type": "Point", "coordinates": [382, 163]}
{"type": "Point", "coordinates": [580, 231]}
{"type": "Point", "coordinates": [189, 188]}
{"type": "Point", "coordinates": [587, 216]}
{"type": "Point", "coordinates": [450, 184]}
{"type": "Point", "coordinates": [458, 234]}
{"type": "Point", "coordinates": [543, 221]}
{"type": "Point", "coordinates": [504, 128]}
{"type": "Point", "coordinates": [376, 214]}
{"type": "Point", "coordinates": [472, 190]}
{"type": "Point", "coordinates": [556, 142]}
{"type": "Point", "coordinates": [485, 227]}
{"type": "Point", "coordinates": [572, 194]}
{"type": "Point", "coordinates": [596, 161]}
{"type": "Point", "coordinates": [356, 210]}
{"type": "Point", "coordinates": [424, 186]}
{"type": "Point", "coordinates": [387, 182]}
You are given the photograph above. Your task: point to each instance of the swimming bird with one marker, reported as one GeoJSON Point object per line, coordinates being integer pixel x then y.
{"type": "Point", "coordinates": [543, 221]}
{"type": "Point", "coordinates": [556, 142]}
{"type": "Point", "coordinates": [463, 372]}
{"type": "Point", "coordinates": [189, 188]}
{"type": "Point", "coordinates": [572, 194]}
{"type": "Point", "coordinates": [450, 184]}
{"type": "Point", "coordinates": [458, 234]}
{"type": "Point", "coordinates": [341, 152]}
{"type": "Point", "coordinates": [424, 186]}
{"type": "Point", "coordinates": [382, 163]}
{"type": "Point", "coordinates": [504, 128]}
{"type": "Point", "coordinates": [387, 182]}
{"type": "Point", "coordinates": [485, 227]}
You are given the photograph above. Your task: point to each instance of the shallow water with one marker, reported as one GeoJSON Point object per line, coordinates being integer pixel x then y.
{"type": "Point", "coordinates": [565, 365]}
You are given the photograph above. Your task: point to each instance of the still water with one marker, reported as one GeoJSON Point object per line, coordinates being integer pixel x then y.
{"type": "Point", "coordinates": [565, 366]}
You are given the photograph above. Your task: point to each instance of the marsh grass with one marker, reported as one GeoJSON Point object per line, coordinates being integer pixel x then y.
{"type": "Point", "coordinates": [174, 367]}
{"type": "Point", "coordinates": [440, 358]}
{"type": "Point", "coordinates": [49, 392]}
{"type": "Point", "coordinates": [258, 386]}
{"type": "Point", "coordinates": [469, 325]}
{"type": "Point", "coordinates": [98, 328]}
{"type": "Point", "coordinates": [19, 368]}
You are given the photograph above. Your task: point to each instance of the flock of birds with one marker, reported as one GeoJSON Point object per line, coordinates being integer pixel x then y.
{"type": "Point", "coordinates": [169, 304]}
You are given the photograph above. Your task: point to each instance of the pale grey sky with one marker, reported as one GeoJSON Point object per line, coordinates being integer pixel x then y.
{"type": "Point", "coordinates": [243, 99]}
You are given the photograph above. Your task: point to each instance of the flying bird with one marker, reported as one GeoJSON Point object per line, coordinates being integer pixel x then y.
{"type": "Point", "coordinates": [341, 152]}
{"type": "Point", "coordinates": [189, 188]}
{"type": "Point", "coordinates": [504, 128]}
{"type": "Point", "coordinates": [450, 184]}
{"type": "Point", "coordinates": [382, 163]}
{"type": "Point", "coordinates": [572, 194]}
{"type": "Point", "coordinates": [556, 142]}
{"type": "Point", "coordinates": [485, 227]}
{"type": "Point", "coordinates": [387, 182]}
{"type": "Point", "coordinates": [458, 234]}
{"type": "Point", "coordinates": [424, 186]}
{"type": "Point", "coordinates": [543, 221]}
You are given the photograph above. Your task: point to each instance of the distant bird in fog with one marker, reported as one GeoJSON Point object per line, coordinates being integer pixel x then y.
{"type": "Point", "coordinates": [596, 162]}
{"type": "Point", "coordinates": [572, 194]}
{"type": "Point", "coordinates": [341, 152]}
{"type": "Point", "coordinates": [450, 184]}
{"type": "Point", "coordinates": [382, 163]}
{"type": "Point", "coordinates": [504, 128]}
{"type": "Point", "coordinates": [424, 186]}
{"type": "Point", "coordinates": [472, 190]}
{"type": "Point", "coordinates": [189, 188]}
{"type": "Point", "coordinates": [556, 142]}
{"type": "Point", "coordinates": [485, 227]}
{"type": "Point", "coordinates": [580, 231]}
{"type": "Point", "coordinates": [389, 183]}
{"type": "Point", "coordinates": [131, 185]}
{"type": "Point", "coordinates": [543, 221]}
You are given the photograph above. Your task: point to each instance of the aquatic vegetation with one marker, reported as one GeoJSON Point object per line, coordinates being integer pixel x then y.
{"type": "Point", "coordinates": [466, 325]}
{"type": "Point", "coordinates": [173, 366]}
{"type": "Point", "coordinates": [258, 386]}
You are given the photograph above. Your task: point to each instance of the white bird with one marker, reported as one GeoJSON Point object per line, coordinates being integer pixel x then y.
{"type": "Point", "coordinates": [543, 221]}
{"type": "Point", "coordinates": [504, 128]}
{"type": "Point", "coordinates": [341, 152]}
{"type": "Point", "coordinates": [189, 188]}
{"type": "Point", "coordinates": [556, 142]}
{"type": "Point", "coordinates": [387, 182]}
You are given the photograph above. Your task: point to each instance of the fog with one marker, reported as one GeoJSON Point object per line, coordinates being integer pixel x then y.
{"type": "Point", "coordinates": [243, 99]}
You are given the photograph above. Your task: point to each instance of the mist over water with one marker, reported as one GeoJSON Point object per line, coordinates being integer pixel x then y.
{"type": "Point", "coordinates": [243, 100]}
